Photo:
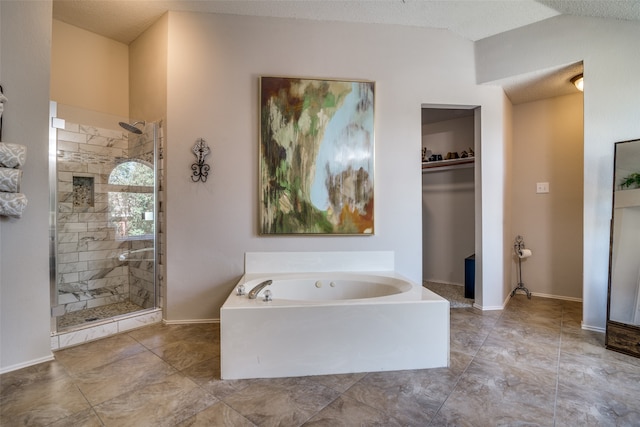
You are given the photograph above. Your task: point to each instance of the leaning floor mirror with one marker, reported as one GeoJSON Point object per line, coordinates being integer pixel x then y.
{"type": "Point", "coordinates": [623, 311]}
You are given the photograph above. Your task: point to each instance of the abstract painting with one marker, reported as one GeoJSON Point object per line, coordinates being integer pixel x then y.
{"type": "Point", "coordinates": [316, 156]}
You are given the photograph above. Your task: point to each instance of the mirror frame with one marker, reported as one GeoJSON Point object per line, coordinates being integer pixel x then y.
{"type": "Point", "coordinates": [621, 337]}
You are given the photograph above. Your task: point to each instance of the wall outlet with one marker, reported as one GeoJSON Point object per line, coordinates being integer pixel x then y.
{"type": "Point", "coordinates": [542, 187]}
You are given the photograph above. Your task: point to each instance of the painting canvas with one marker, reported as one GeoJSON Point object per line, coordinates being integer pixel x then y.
{"type": "Point", "coordinates": [316, 156]}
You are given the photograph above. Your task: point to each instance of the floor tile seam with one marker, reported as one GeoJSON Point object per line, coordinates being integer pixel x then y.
{"type": "Point", "coordinates": [229, 404]}
{"type": "Point", "coordinates": [538, 324]}
{"type": "Point", "coordinates": [117, 359]}
{"type": "Point", "coordinates": [225, 404]}
{"type": "Point", "coordinates": [223, 400]}
{"type": "Point", "coordinates": [321, 409]}
{"type": "Point", "coordinates": [98, 416]}
{"type": "Point", "coordinates": [216, 400]}
{"type": "Point", "coordinates": [385, 413]}
{"type": "Point", "coordinates": [165, 360]}
{"type": "Point", "coordinates": [496, 338]}
{"type": "Point", "coordinates": [527, 374]}
{"type": "Point", "coordinates": [141, 343]}
{"type": "Point", "coordinates": [202, 387]}
{"type": "Point", "coordinates": [555, 400]}
{"type": "Point", "coordinates": [522, 366]}
{"type": "Point", "coordinates": [598, 361]}
{"type": "Point", "coordinates": [190, 346]}
{"type": "Point", "coordinates": [10, 396]}
{"type": "Point", "coordinates": [78, 375]}
{"type": "Point", "coordinates": [344, 394]}
{"type": "Point", "coordinates": [148, 346]}
{"type": "Point", "coordinates": [144, 386]}
{"type": "Point", "coordinates": [473, 357]}
{"type": "Point", "coordinates": [213, 358]}
{"type": "Point", "coordinates": [595, 359]}
{"type": "Point", "coordinates": [84, 396]}
{"type": "Point", "coordinates": [173, 370]}
{"type": "Point", "coordinates": [134, 389]}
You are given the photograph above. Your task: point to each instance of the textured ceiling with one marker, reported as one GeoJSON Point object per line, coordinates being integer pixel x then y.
{"type": "Point", "coordinates": [124, 21]}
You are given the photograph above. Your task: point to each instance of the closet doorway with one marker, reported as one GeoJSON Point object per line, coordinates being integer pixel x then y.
{"type": "Point", "coordinates": [450, 143]}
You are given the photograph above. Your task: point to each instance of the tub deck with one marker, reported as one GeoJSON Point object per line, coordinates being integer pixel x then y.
{"type": "Point", "coordinates": [290, 341]}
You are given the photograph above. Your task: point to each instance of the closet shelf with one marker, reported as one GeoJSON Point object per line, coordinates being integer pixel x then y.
{"type": "Point", "coordinates": [440, 165]}
{"type": "Point", "coordinates": [627, 198]}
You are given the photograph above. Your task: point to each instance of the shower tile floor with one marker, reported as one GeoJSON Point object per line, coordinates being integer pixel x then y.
{"type": "Point", "coordinates": [530, 364]}
{"type": "Point", "coordinates": [83, 317]}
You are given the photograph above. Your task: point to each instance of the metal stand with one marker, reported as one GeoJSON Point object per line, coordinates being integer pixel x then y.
{"type": "Point", "coordinates": [518, 246]}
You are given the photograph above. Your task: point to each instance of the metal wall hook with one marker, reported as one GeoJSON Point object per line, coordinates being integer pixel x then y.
{"type": "Point", "coordinates": [200, 168]}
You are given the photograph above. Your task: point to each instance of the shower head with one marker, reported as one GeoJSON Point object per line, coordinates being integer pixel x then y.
{"type": "Point", "coordinates": [131, 127]}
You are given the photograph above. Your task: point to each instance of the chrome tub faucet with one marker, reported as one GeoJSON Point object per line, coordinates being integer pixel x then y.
{"type": "Point", "coordinates": [253, 293]}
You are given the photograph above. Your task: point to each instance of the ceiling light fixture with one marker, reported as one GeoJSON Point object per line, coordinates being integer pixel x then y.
{"type": "Point", "coordinates": [578, 82]}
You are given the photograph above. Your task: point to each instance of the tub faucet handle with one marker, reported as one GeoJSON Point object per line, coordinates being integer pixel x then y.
{"type": "Point", "coordinates": [253, 293]}
{"type": "Point", "coordinates": [267, 296]}
{"type": "Point", "coordinates": [240, 290]}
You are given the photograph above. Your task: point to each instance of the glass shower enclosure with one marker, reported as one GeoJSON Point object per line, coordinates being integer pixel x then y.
{"type": "Point", "coordinates": [103, 222]}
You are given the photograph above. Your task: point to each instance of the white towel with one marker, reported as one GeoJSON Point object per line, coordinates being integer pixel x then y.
{"type": "Point", "coordinates": [10, 180]}
{"type": "Point", "coordinates": [12, 155]}
{"type": "Point", "coordinates": [12, 204]}
{"type": "Point", "coordinates": [3, 99]}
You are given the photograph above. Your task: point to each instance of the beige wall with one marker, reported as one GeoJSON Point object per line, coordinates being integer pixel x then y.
{"type": "Point", "coordinates": [608, 49]}
{"type": "Point", "coordinates": [214, 223]}
{"type": "Point", "coordinates": [508, 200]}
{"type": "Point", "coordinates": [548, 147]}
{"type": "Point", "coordinates": [148, 73]}
{"type": "Point", "coordinates": [25, 49]}
{"type": "Point", "coordinates": [89, 71]}
{"type": "Point", "coordinates": [214, 64]}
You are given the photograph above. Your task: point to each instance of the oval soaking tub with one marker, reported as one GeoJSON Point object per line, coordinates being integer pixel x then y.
{"type": "Point", "coordinates": [331, 322]}
{"type": "Point", "coordinates": [309, 287]}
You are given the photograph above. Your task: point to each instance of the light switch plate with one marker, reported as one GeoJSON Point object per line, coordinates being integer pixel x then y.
{"type": "Point", "coordinates": [542, 187]}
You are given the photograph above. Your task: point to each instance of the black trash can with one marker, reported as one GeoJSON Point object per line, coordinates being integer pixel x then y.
{"type": "Point", "coordinates": [470, 276]}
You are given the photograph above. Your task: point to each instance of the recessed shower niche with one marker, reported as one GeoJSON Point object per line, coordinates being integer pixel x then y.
{"type": "Point", "coordinates": [83, 192]}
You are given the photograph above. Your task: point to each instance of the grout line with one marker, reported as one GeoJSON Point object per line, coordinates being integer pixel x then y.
{"type": "Point", "coordinates": [473, 357]}
{"type": "Point", "coordinates": [97, 416]}
{"type": "Point", "coordinates": [555, 400]}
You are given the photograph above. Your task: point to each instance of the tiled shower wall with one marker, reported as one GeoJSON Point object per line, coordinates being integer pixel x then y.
{"type": "Point", "coordinates": [89, 273]}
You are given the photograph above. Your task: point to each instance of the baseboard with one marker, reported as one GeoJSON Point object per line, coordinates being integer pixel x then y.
{"type": "Point", "coordinates": [27, 364]}
{"type": "Point", "coordinates": [541, 295]}
{"type": "Point", "coordinates": [535, 294]}
{"type": "Point", "coordinates": [593, 328]}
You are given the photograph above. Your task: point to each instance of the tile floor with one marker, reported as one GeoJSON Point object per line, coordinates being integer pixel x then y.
{"type": "Point", "coordinates": [530, 364]}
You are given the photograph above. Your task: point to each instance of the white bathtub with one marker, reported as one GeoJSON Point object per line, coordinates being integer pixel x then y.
{"type": "Point", "coordinates": [309, 288]}
{"type": "Point", "coordinates": [331, 322]}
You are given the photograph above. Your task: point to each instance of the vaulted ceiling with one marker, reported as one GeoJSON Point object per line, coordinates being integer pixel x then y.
{"type": "Point", "coordinates": [124, 21]}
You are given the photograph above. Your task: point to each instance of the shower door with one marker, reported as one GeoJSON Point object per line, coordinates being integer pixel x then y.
{"type": "Point", "coordinates": [103, 223]}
